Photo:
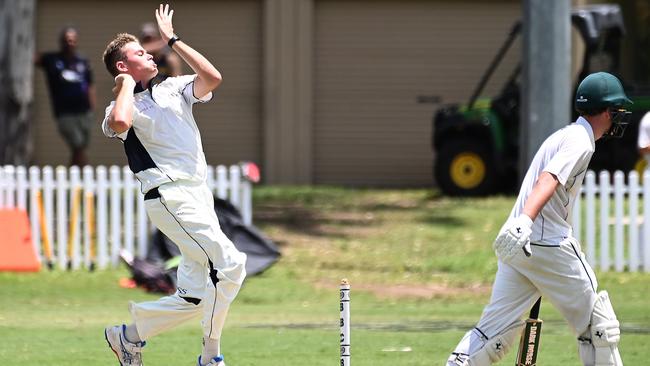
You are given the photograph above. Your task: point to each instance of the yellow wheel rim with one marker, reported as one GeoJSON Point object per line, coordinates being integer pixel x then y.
{"type": "Point", "coordinates": [467, 170]}
{"type": "Point", "coordinates": [640, 167]}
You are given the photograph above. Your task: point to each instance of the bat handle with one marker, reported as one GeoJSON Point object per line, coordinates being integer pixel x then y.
{"type": "Point", "coordinates": [534, 311]}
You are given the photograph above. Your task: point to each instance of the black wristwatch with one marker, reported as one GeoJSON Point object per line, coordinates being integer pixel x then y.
{"type": "Point", "coordinates": [173, 40]}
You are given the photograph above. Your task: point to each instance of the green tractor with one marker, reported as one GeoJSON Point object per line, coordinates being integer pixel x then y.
{"type": "Point", "coordinates": [477, 144]}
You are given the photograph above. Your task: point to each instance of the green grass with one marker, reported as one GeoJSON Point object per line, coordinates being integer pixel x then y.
{"type": "Point", "coordinates": [420, 267]}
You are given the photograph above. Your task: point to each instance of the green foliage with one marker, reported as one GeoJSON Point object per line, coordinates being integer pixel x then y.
{"type": "Point", "coordinates": [420, 268]}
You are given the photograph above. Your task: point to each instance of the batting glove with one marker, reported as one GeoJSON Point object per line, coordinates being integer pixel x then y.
{"type": "Point", "coordinates": [515, 238]}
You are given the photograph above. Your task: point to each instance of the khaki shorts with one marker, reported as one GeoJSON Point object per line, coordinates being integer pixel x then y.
{"type": "Point", "coordinates": [75, 129]}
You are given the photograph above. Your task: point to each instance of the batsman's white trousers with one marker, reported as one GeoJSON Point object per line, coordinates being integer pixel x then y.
{"type": "Point", "coordinates": [211, 271]}
{"type": "Point", "coordinates": [560, 274]}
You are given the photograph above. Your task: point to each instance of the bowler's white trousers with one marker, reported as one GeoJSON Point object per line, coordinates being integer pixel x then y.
{"type": "Point", "coordinates": [211, 271]}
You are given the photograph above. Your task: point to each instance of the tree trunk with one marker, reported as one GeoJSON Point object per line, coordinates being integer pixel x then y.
{"type": "Point", "coordinates": [16, 72]}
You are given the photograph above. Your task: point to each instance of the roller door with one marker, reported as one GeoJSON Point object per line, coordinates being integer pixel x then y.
{"type": "Point", "coordinates": [372, 61]}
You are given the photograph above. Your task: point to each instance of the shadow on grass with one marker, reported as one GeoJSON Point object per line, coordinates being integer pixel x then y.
{"type": "Point", "coordinates": [426, 326]}
{"type": "Point", "coordinates": [438, 217]}
{"type": "Point", "coordinates": [340, 213]}
{"type": "Point", "coordinates": [314, 222]}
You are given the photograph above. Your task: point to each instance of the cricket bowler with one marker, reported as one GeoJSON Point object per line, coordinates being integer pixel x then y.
{"type": "Point", "coordinates": [153, 119]}
{"type": "Point", "coordinates": [537, 253]}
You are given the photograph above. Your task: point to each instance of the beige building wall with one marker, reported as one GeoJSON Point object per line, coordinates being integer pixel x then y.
{"type": "Point", "coordinates": [374, 58]}
{"type": "Point", "coordinates": [315, 91]}
{"type": "Point", "coordinates": [288, 91]}
{"type": "Point", "coordinates": [226, 32]}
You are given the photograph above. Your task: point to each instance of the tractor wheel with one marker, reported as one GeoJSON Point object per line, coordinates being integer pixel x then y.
{"type": "Point", "coordinates": [640, 166]}
{"type": "Point", "coordinates": [464, 168]}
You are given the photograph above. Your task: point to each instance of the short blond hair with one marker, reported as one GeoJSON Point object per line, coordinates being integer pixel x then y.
{"type": "Point", "coordinates": [113, 52]}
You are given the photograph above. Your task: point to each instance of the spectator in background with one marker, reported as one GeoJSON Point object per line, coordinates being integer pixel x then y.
{"type": "Point", "coordinates": [72, 92]}
{"type": "Point", "coordinates": [644, 138]}
{"type": "Point", "coordinates": [169, 64]}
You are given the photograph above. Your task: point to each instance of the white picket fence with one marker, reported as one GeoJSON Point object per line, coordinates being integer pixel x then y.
{"type": "Point", "coordinates": [628, 219]}
{"type": "Point", "coordinates": [70, 197]}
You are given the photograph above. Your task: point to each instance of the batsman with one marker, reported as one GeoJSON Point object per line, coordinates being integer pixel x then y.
{"type": "Point", "coordinates": [537, 253]}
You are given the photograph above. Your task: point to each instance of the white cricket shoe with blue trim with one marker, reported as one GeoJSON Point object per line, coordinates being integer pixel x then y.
{"type": "Point", "coordinates": [217, 361]}
{"type": "Point", "coordinates": [129, 354]}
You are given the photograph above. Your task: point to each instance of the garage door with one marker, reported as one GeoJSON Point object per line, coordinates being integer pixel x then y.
{"type": "Point", "coordinates": [226, 32]}
{"type": "Point", "coordinates": [372, 61]}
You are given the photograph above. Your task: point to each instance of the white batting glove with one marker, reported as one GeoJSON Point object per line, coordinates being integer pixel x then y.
{"type": "Point", "coordinates": [516, 237]}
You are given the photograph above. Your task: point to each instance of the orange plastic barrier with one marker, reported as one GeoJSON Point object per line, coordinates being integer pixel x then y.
{"type": "Point", "coordinates": [16, 248]}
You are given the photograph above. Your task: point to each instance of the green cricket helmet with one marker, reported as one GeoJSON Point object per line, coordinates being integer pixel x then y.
{"type": "Point", "coordinates": [600, 91]}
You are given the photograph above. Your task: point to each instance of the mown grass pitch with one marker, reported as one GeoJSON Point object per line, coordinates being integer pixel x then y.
{"type": "Point", "coordinates": [420, 267]}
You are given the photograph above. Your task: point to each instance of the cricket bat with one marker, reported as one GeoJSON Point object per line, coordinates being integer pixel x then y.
{"type": "Point", "coordinates": [529, 343]}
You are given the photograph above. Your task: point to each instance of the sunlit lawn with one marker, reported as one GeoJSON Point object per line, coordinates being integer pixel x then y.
{"type": "Point", "coordinates": [420, 266]}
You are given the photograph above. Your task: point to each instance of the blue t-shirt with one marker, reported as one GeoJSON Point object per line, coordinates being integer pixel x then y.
{"type": "Point", "coordinates": [69, 81]}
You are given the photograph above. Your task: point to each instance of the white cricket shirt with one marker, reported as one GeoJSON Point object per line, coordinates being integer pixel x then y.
{"type": "Point", "coordinates": [566, 154]}
{"type": "Point", "coordinates": [163, 144]}
{"type": "Point", "coordinates": [644, 134]}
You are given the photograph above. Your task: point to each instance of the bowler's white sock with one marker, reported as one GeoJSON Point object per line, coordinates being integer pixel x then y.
{"type": "Point", "coordinates": [211, 349]}
{"type": "Point", "coordinates": [131, 334]}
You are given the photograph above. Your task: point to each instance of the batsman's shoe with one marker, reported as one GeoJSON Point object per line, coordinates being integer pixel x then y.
{"type": "Point", "coordinates": [129, 354]}
{"type": "Point", "coordinates": [217, 361]}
